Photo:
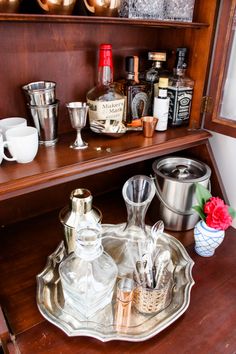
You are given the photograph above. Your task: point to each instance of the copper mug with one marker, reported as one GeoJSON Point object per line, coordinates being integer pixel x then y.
{"type": "Point", "coordinates": [57, 7]}
{"type": "Point", "coordinates": [103, 7]}
{"type": "Point", "coordinates": [149, 125]}
{"type": "Point", "coordinates": [9, 5]}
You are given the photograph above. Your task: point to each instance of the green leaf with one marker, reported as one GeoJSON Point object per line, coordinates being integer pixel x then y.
{"type": "Point", "coordinates": [202, 194]}
{"type": "Point", "coordinates": [200, 212]}
{"type": "Point", "coordinates": [232, 212]}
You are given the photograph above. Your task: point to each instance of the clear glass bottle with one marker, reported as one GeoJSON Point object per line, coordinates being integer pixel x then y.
{"type": "Point", "coordinates": [156, 70]}
{"type": "Point", "coordinates": [106, 103]}
{"type": "Point", "coordinates": [89, 274]}
{"type": "Point", "coordinates": [180, 91]}
{"type": "Point", "coordinates": [137, 94]}
{"type": "Point", "coordinates": [161, 105]}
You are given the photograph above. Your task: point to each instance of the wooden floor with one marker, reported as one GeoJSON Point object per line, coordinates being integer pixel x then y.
{"type": "Point", "coordinates": [208, 325]}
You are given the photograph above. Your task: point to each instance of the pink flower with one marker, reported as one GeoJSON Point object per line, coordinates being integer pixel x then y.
{"type": "Point", "coordinates": [211, 204]}
{"type": "Point", "coordinates": [218, 216]}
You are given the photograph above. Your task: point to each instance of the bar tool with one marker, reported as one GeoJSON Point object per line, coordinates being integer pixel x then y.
{"type": "Point", "coordinates": [161, 267]}
{"type": "Point", "coordinates": [78, 114]}
{"type": "Point", "coordinates": [156, 230]}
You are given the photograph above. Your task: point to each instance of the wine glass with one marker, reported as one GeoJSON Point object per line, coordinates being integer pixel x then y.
{"type": "Point", "coordinates": [78, 114]}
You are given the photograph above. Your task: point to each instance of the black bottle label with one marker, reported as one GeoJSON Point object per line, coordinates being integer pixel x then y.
{"type": "Point", "coordinates": [180, 105]}
{"type": "Point", "coordinates": [138, 102]}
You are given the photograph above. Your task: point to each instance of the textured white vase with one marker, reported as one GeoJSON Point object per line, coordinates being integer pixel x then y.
{"type": "Point", "coordinates": [207, 239]}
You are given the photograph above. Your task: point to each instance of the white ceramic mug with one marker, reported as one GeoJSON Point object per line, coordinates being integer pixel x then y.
{"type": "Point", "coordinates": [2, 151]}
{"type": "Point", "coordinates": [22, 143]}
{"type": "Point", "coordinates": [9, 123]}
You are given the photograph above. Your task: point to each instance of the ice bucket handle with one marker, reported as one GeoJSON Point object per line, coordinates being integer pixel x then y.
{"type": "Point", "coordinates": [158, 193]}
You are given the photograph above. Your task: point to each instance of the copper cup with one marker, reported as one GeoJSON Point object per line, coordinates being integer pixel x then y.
{"type": "Point", "coordinates": [149, 125]}
{"type": "Point", "coordinates": [9, 5]}
{"type": "Point", "coordinates": [124, 297]}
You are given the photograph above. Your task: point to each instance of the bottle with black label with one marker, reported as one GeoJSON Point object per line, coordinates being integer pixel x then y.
{"type": "Point", "coordinates": [180, 92]}
{"type": "Point", "coordinates": [138, 94]}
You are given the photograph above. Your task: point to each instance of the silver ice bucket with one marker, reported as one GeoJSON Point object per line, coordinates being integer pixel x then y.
{"type": "Point", "coordinates": [175, 179]}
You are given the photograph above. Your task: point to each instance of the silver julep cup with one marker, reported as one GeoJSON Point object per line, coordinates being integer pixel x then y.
{"type": "Point", "coordinates": [40, 93]}
{"type": "Point", "coordinates": [46, 121]}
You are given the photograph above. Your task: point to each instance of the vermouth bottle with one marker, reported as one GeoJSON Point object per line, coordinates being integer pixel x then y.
{"type": "Point", "coordinates": [106, 103]}
{"type": "Point", "coordinates": [161, 105]}
{"type": "Point", "coordinates": [180, 91]}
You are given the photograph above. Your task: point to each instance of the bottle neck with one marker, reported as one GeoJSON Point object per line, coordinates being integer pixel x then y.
{"type": "Point", "coordinates": [132, 76]}
{"type": "Point", "coordinates": [157, 64]}
{"type": "Point", "coordinates": [105, 66]}
{"type": "Point", "coordinates": [162, 92]}
{"type": "Point", "coordinates": [88, 253]}
{"type": "Point", "coordinates": [179, 72]}
{"type": "Point", "coordinates": [105, 75]}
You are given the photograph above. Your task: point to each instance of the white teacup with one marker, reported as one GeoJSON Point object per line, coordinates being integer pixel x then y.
{"type": "Point", "coordinates": [2, 151]}
{"type": "Point", "coordinates": [22, 143]}
{"type": "Point", "coordinates": [12, 122]}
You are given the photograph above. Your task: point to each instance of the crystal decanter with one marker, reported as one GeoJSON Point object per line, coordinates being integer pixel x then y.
{"type": "Point", "coordinates": [129, 241]}
{"type": "Point", "coordinates": [88, 275]}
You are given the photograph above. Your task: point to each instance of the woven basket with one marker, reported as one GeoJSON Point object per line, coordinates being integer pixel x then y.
{"type": "Point", "coordinates": [150, 301]}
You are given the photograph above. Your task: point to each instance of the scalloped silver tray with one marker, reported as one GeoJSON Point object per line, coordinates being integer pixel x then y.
{"type": "Point", "coordinates": [102, 326]}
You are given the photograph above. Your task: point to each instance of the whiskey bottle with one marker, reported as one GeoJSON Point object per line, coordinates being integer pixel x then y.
{"type": "Point", "coordinates": [153, 74]}
{"type": "Point", "coordinates": [158, 58]}
{"type": "Point", "coordinates": [161, 105]}
{"type": "Point", "coordinates": [180, 91]}
{"type": "Point", "coordinates": [106, 103]}
{"type": "Point", "coordinates": [137, 94]}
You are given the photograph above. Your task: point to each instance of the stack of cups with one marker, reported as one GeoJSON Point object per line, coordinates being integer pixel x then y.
{"type": "Point", "coordinates": [43, 107]}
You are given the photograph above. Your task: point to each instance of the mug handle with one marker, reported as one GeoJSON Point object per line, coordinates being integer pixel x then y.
{"type": "Point", "coordinates": [5, 144]}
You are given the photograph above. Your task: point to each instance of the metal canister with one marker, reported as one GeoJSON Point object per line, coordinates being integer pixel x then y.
{"type": "Point", "coordinates": [80, 211]}
{"type": "Point", "coordinates": [175, 179]}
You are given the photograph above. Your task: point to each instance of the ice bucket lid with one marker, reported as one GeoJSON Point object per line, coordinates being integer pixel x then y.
{"type": "Point", "coordinates": [181, 169]}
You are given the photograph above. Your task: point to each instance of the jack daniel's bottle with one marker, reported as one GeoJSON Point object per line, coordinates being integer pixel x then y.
{"type": "Point", "coordinates": [180, 91]}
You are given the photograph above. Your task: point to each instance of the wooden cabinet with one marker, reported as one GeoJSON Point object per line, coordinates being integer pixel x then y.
{"type": "Point", "coordinates": [64, 49]}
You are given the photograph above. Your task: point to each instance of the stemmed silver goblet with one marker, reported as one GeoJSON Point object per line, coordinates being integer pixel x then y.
{"type": "Point", "coordinates": [78, 114]}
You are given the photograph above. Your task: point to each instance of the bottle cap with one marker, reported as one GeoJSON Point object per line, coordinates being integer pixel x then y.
{"type": "Point", "coordinates": [163, 82]}
{"type": "Point", "coordinates": [157, 56]}
{"type": "Point", "coordinates": [105, 55]}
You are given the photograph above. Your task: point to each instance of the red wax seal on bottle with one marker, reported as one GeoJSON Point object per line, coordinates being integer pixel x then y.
{"type": "Point", "coordinates": [105, 55]}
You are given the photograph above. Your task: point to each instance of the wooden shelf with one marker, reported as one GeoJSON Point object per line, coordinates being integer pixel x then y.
{"type": "Point", "coordinates": [100, 20]}
{"type": "Point", "coordinates": [59, 164]}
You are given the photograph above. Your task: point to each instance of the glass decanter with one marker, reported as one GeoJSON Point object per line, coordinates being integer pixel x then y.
{"type": "Point", "coordinates": [88, 275]}
{"type": "Point", "coordinates": [128, 242]}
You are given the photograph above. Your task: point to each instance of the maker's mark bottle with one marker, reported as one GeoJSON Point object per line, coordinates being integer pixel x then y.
{"type": "Point", "coordinates": [106, 103]}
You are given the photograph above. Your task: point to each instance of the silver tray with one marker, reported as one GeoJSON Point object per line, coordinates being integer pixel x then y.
{"type": "Point", "coordinates": [51, 303]}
